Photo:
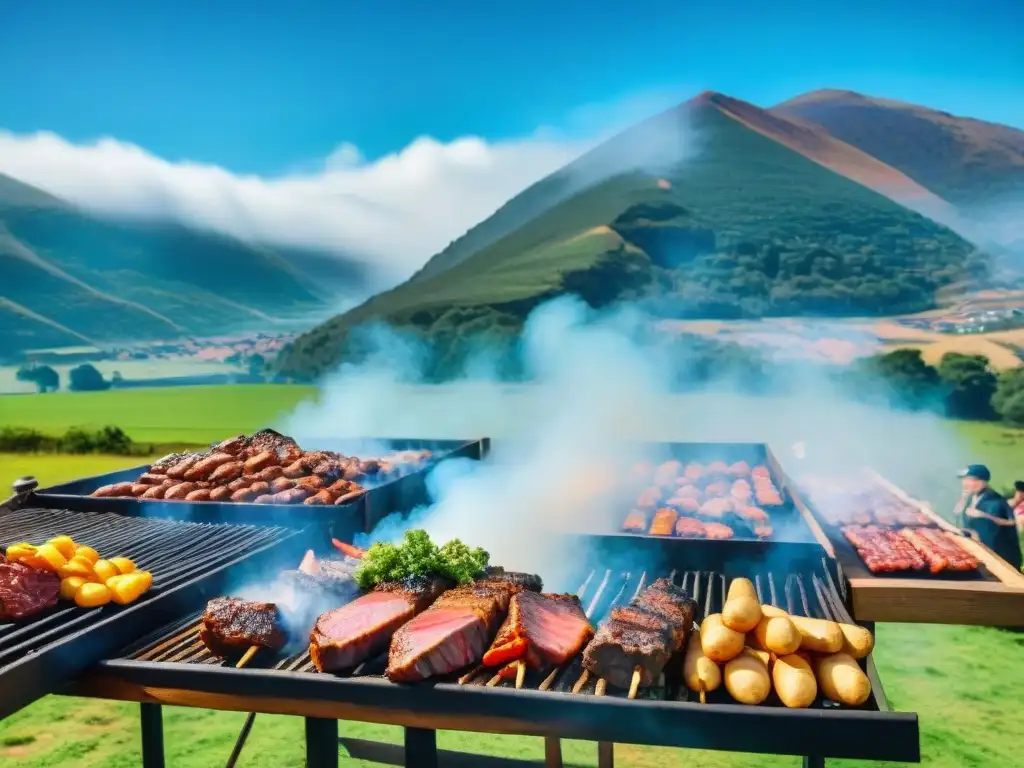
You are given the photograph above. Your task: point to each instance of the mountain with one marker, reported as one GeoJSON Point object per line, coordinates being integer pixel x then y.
{"type": "Point", "coordinates": [715, 208]}
{"type": "Point", "coordinates": [68, 277]}
{"type": "Point", "coordinates": [970, 163]}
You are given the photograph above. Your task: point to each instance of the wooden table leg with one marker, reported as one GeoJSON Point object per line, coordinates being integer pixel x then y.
{"type": "Point", "coordinates": [552, 752]}
{"type": "Point", "coordinates": [605, 754]}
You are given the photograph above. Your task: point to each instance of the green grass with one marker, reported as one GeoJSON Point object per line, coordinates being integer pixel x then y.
{"type": "Point", "coordinates": [964, 682]}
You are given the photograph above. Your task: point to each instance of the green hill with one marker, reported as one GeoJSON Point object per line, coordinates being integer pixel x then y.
{"type": "Point", "coordinates": [696, 214]}
{"type": "Point", "coordinates": [67, 276]}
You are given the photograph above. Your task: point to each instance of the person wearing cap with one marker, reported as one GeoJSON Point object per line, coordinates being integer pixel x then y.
{"type": "Point", "coordinates": [988, 514]}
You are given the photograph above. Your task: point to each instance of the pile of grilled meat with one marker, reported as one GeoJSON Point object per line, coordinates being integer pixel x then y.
{"type": "Point", "coordinates": [884, 550]}
{"type": "Point", "coordinates": [427, 628]}
{"type": "Point", "coordinates": [266, 468]}
{"type": "Point", "coordinates": [702, 501]}
{"type": "Point", "coordinates": [842, 502]}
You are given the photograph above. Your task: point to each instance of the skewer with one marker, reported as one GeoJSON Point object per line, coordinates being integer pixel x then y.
{"type": "Point", "coordinates": [701, 693]}
{"type": "Point", "coordinates": [549, 680]}
{"type": "Point", "coordinates": [494, 680]}
{"type": "Point", "coordinates": [600, 688]}
{"type": "Point", "coordinates": [247, 657]}
{"type": "Point", "coordinates": [635, 683]}
{"type": "Point", "coordinates": [471, 674]}
{"type": "Point", "coordinates": [520, 674]}
{"type": "Point", "coordinates": [582, 681]}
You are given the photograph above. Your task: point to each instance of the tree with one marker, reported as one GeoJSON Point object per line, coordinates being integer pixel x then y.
{"type": "Point", "coordinates": [1008, 399]}
{"type": "Point", "coordinates": [257, 365]}
{"type": "Point", "coordinates": [970, 385]}
{"type": "Point", "coordinates": [43, 376]}
{"type": "Point", "coordinates": [85, 378]}
{"type": "Point", "coordinates": [910, 382]}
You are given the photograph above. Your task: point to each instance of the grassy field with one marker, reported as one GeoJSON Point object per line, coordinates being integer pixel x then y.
{"type": "Point", "coordinates": [964, 682]}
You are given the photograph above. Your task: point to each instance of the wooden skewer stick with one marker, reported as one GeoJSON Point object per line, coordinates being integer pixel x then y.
{"type": "Point", "coordinates": [247, 657]}
{"type": "Point", "coordinates": [494, 680]}
{"type": "Point", "coordinates": [582, 681]}
{"type": "Point", "coordinates": [520, 674]}
{"type": "Point", "coordinates": [600, 688]}
{"type": "Point", "coordinates": [703, 697]}
{"type": "Point", "coordinates": [635, 683]}
{"type": "Point", "coordinates": [470, 675]}
{"type": "Point", "coordinates": [549, 680]}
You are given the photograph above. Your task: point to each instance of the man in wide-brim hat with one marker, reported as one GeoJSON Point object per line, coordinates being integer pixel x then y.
{"type": "Point", "coordinates": [988, 514]}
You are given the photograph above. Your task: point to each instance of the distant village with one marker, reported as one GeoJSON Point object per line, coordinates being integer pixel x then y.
{"type": "Point", "coordinates": [969, 319]}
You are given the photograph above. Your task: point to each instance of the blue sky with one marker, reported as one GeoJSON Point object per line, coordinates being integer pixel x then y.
{"type": "Point", "coordinates": [264, 87]}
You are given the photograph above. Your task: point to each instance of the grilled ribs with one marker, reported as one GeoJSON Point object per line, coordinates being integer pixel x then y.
{"type": "Point", "coordinates": [642, 635]}
{"type": "Point", "coordinates": [232, 626]}
{"type": "Point", "coordinates": [541, 630]}
{"type": "Point", "coordinates": [347, 636]}
{"type": "Point", "coordinates": [453, 633]}
{"type": "Point", "coordinates": [26, 591]}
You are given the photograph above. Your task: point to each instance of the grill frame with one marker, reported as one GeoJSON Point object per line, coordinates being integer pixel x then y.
{"type": "Point", "coordinates": [399, 494]}
{"type": "Point", "coordinates": [37, 656]}
{"type": "Point", "coordinates": [872, 733]}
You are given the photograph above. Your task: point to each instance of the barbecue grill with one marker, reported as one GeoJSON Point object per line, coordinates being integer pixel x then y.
{"type": "Point", "coordinates": [394, 493]}
{"type": "Point", "coordinates": [171, 666]}
{"type": "Point", "coordinates": [187, 561]}
{"type": "Point", "coordinates": [991, 596]}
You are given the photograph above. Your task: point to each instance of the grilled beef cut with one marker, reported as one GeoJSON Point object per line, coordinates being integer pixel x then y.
{"type": "Point", "coordinates": [233, 626]}
{"type": "Point", "coordinates": [25, 591]}
{"type": "Point", "coordinates": [541, 630]}
{"type": "Point", "coordinates": [454, 632]}
{"type": "Point", "coordinates": [642, 635]}
{"type": "Point", "coordinates": [348, 636]}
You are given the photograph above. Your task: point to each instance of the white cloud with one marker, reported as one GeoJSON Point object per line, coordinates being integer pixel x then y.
{"type": "Point", "coordinates": [395, 211]}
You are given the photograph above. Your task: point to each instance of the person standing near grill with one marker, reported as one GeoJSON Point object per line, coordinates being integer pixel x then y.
{"type": "Point", "coordinates": [1017, 502]}
{"type": "Point", "coordinates": [988, 514]}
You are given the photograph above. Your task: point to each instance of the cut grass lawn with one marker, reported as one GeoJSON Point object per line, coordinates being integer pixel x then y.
{"type": "Point", "coordinates": [964, 682]}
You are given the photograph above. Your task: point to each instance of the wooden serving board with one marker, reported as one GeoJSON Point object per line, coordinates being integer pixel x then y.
{"type": "Point", "coordinates": [996, 601]}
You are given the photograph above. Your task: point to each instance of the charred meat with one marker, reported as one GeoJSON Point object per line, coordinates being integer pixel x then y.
{"type": "Point", "coordinates": [232, 626]}
{"type": "Point", "coordinates": [641, 636]}
{"type": "Point", "coordinates": [540, 630]}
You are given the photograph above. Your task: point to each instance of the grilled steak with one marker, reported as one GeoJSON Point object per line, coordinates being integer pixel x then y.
{"type": "Point", "coordinates": [528, 581]}
{"type": "Point", "coordinates": [642, 635]}
{"type": "Point", "coordinates": [233, 626]}
{"type": "Point", "coordinates": [541, 630]}
{"type": "Point", "coordinates": [25, 591]}
{"type": "Point", "coordinates": [453, 633]}
{"type": "Point", "coordinates": [348, 636]}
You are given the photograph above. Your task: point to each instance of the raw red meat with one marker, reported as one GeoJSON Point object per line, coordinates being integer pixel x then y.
{"type": "Point", "coordinates": [540, 629]}
{"type": "Point", "coordinates": [25, 591]}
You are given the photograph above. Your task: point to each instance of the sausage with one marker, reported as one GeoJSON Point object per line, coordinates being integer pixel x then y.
{"type": "Point", "coordinates": [157, 491]}
{"type": "Point", "coordinates": [220, 494]}
{"type": "Point", "coordinates": [203, 468]}
{"type": "Point", "coordinates": [139, 488]}
{"type": "Point", "coordinates": [322, 498]}
{"type": "Point", "coordinates": [313, 483]}
{"type": "Point", "coordinates": [226, 472]}
{"type": "Point", "coordinates": [296, 469]}
{"type": "Point", "coordinates": [282, 484]}
{"type": "Point", "coordinates": [291, 496]}
{"type": "Point", "coordinates": [350, 497]}
{"type": "Point", "coordinates": [239, 483]}
{"type": "Point", "coordinates": [701, 674]}
{"type": "Point", "coordinates": [842, 680]}
{"type": "Point", "coordinates": [818, 635]}
{"type": "Point", "coordinates": [260, 461]}
{"type": "Point", "coordinates": [266, 498]}
{"type": "Point", "coordinates": [259, 488]}
{"type": "Point", "coordinates": [776, 634]}
{"type": "Point", "coordinates": [115, 489]}
{"type": "Point", "coordinates": [794, 681]}
{"type": "Point", "coordinates": [199, 494]}
{"type": "Point", "coordinates": [149, 478]}
{"type": "Point", "coordinates": [746, 678]}
{"type": "Point", "coordinates": [179, 491]}
{"type": "Point", "coordinates": [177, 472]}
{"type": "Point", "coordinates": [270, 473]}
{"type": "Point", "coordinates": [243, 495]}
{"type": "Point", "coordinates": [343, 486]}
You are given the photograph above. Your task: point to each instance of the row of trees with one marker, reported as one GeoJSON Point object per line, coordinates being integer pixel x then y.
{"type": "Point", "coordinates": [108, 440]}
{"type": "Point", "coordinates": [83, 378]}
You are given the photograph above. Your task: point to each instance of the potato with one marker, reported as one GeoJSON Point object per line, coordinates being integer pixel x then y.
{"type": "Point", "coordinates": [794, 681]}
{"type": "Point", "coordinates": [771, 610]}
{"type": "Point", "coordinates": [147, 577]}
{"type": "Point", "coordinates": [77, 566]}
{"type": "Point", "coordinates": [123, 564]}
{"type": "Point", "coordinates": [719, 643]}
{"type": "Point", "coordinates": [818, 635]}
{"type": "Point", "coordinates": [88, 553]}
{"type": "Point", "coordinates": [50, 558]}
{"type": "Point", "coordinates": [127, 587]}
{"type": "Point", "coordinates": [857, 641]}
{"type": "Point", "coordinates": [842, 680]}
{"type": "Point", "coordinates": [741, 588]}
{"type": "Point", "coordinates": [741, 613]}
{"type": "Point", "coordinates": [69, 586]}
{"type": "Point", "coordinates": [104, 569]}
{"type": "Point", "coordinates": [21, 551]}
{"type": "Point", "coordinates": [746, 678]}
{"type": "Point", "coordinates": [701, 674]}
{"type": "Point", "coordinates": [92, 595]}
{"type": "Point", "coordinates": [65, 545]}
{"type": "Point", "coordinates": [777, 634]}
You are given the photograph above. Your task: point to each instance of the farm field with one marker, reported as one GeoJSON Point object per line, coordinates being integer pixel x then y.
{"type": "Point", "coordinates": [132, 370]}
{"type": "Point", "coordinates": [964, 682]}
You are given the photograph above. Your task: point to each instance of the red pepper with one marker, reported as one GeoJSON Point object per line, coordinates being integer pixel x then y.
{"type": "Point", "coordinates": [505, 653]}
{"type": "Point", "coordinates": [348, 550]}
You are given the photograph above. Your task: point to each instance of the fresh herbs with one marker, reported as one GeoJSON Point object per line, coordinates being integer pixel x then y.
{"type": "Point", "coordinates": [419, 556]}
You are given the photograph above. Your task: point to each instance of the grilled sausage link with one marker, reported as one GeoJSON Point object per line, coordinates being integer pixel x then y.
{"type": "Point", "coordinates": [348, 498]}
{"type": "Point", "coordinates": [270, 474]}
{"type": "Point", "coordinates": [322, 498]}
{"type": "Point", "coordinates": [115, 489]}
{"type": "Point", "coordinates": [260, 461]}
{"type": "Point", "coordinates": [243, 495]}
{"type": "Point", "coordinates": [220, 494]}
{"type": "Point", "coordinates": [259, 488]}
{"type": "Point", "coordinates": [226, 472]}
{"type": "Point", "coordinates": [199, 494]}
{"type": "Point", "coordinates": [177, 472]}
{"type": "Point", "coordinates": [291, 496]}
{"type": "Point", "coordinates": [296, 469]}
{"type": "Point", "coordinates": [139, 488]}
{"type": "Point", "coordinates": [203, 468]}
{"type": "Point", "coordinates": [313, 483]}
{"type": "Point", "coordinates": [240, 483]}
{"type": "Point", "coordinates": [148, 478]}
{"type": "Point", "coordinates": [282, 484]}
{"type": "Point", "coordinates": [179, 491]}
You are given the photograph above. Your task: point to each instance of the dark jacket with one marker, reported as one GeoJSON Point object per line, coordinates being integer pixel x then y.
{"type": "Point", "coordinates": [1001, 539]}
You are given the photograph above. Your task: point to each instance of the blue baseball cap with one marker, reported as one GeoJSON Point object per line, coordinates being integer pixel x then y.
{"type": "Point", "coordinates": [977, 471]}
